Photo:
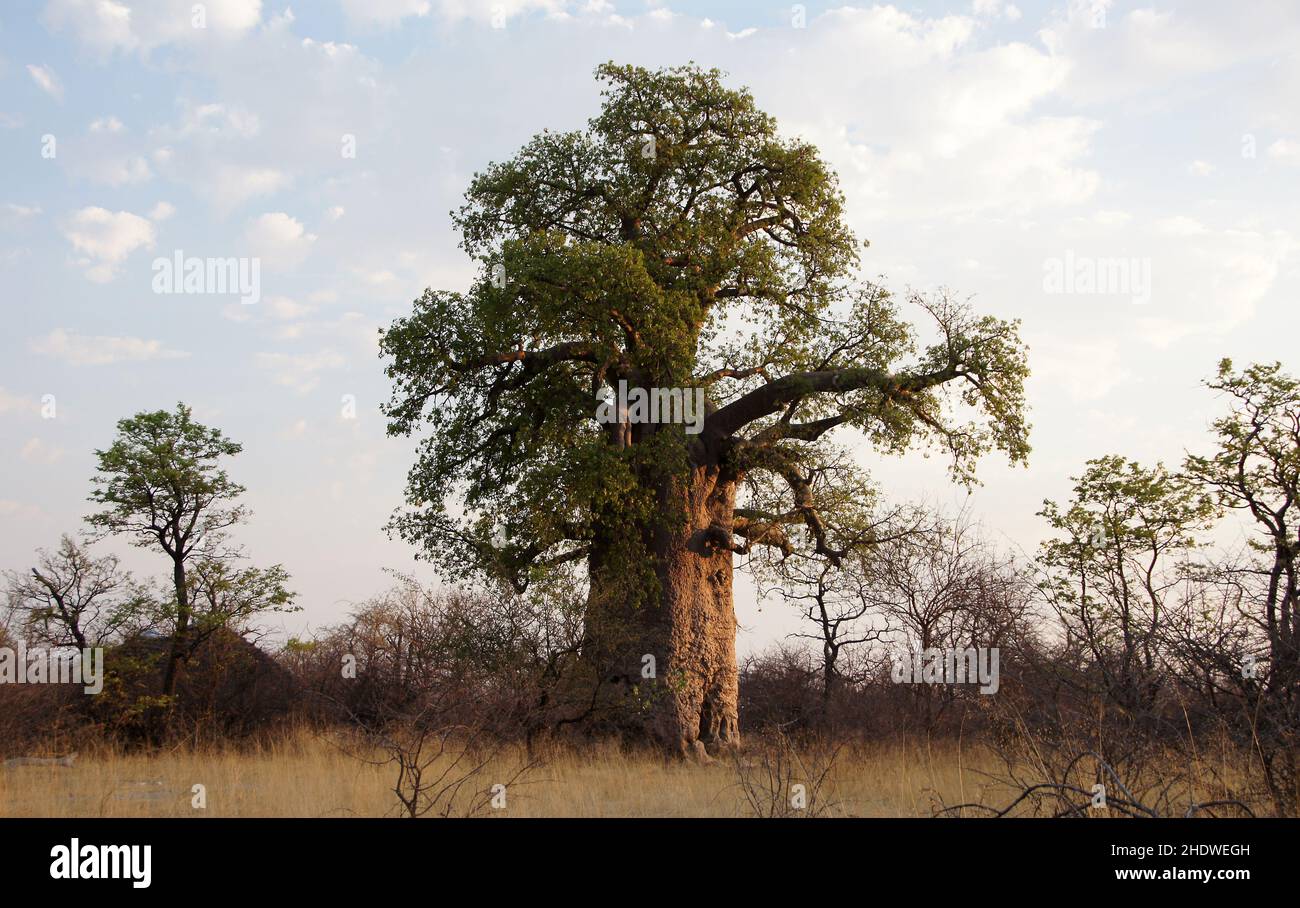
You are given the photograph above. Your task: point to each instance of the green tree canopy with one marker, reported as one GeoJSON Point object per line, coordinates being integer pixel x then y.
{"type": "Point", "coordinates": [677, 244]}
{"type": "Point", "coordinates": [161, 484]}
{"type": "Point", "coordinates": [678, 241]}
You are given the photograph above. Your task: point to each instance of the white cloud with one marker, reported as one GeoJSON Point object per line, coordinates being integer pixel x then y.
{"type": "Point", "coordinates": [283, 308]}
{"type": "Point", "coordinates": [108, 156]}
{"type": "Point", "coordinates": [13, 213]}
{"type": "Point", "coordinates": [1207, 281]}
{"type": "Point", "coordinates": [47, 80]}
{"type": "Point", "coordinates": [456, 10]}
{"type": "Point", "coordinates": [1285, 150]}
{"type": "Point", "coordinates": [1107, 218]}
{"type": "Point", "coordinates": [331, 49]}
{"type": "Point", "coordinates": [238, 312]}
{"type": "Point", "coordinates": [274, 308]}
{"type": "Point", "coordinates": [992, 9]}
{"type": "Point", "coordinates": [384, 13]}
{"type": "Point", "coordinates": [219, 150]}
{"type": "Point", "coordinates": [122, 171]}
{"type": "Point", "coordinates": [1196, 277]}
{"type": "Point", "coordinates": [279, 240]}
{"type": "Point", "coordinates": [109, 26]}
{"type": "Point", "coordinates": [37, 451]}
{"type": "Point", "coordinates": [162, 211]}
{"type": "Point", "coordinates": [104, 239]}
{"type": "Point", "coordinates": [12, 403]}
{"type": "Point", "coordinates": [953, 126]}
{"type": "Point", "coordinates": [232, 186]}
{"type": "Point", "coordinates": [107, 124]}
{"type": "Point", "coordinates": [87, 350]}
{"type": "Point", "coordinates": [212, 120]}
{"type": "Point", "coordinates": [380, 276]}
{"type": "Point", "coordinates": [16, 510]}
{"type": "Point", "coordinates": [300, 371]}
{"type": "Point", "coordinates": [1181, 225]}
{"type": "Point", "coordinates": [1148, 51]}
{"type": "Point", "coordinates": [1085, 371]}
{"type": "Point", "coordinates": [272, 115]}
{"type": "Point", "coordinates": [104, 24]}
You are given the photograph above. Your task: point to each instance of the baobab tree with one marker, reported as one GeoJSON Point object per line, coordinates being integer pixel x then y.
{"type": "Point", "coordinates": [677, 244]}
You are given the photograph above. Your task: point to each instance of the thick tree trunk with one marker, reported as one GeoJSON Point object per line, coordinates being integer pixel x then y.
{"type": "Point", "coordinates": [669, 662]}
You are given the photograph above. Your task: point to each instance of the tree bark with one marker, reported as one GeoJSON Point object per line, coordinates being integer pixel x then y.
{"type": "Point", "coordinates": [686, 698]}
{"type": "Point", "coordinates": [176, 651]}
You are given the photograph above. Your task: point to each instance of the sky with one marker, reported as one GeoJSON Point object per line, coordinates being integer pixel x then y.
{"type": "Point", "coordinates": [1004, 151]}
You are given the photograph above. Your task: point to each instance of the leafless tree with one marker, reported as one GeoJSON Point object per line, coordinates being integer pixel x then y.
{"type": "Point", "coordinates": [946, 586]}
{"type": "Point", "coordinates": [71, 598]}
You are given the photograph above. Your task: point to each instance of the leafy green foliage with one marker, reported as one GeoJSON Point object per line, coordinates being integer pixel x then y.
{"type": "Point", "coordinates": [159, 482]}
{"type": "Point", "coordinates": [1127, 534]}
{"type": "Point", "coordinates": [1257, 465]}
{"type": "Point", "coordinates": [677, 242]}
{"type": "Point", "coordinates": [1256, 471]}
{"type": "Point", "coordinates": [224, 595]}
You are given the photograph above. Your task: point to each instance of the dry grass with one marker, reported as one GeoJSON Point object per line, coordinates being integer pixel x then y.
{"type": "Point", "coordinates": [310, 776]}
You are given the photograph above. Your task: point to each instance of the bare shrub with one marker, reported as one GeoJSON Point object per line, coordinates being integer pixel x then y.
{"type": "Point", "coordinates": [443, 768]}
{"type": "Point", "coordinates": [778, 777]}
{"type": "Point", "coordinates": [505, 657]}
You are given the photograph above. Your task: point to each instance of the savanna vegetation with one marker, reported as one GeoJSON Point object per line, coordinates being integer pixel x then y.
{"type": "Point", "coordinates": [580, 657]}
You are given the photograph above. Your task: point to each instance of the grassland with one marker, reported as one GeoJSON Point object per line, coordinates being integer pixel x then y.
{"type": "Point", "coordinates": [312, 776]}
{"type": "Point", "coordinates": [316, 775]}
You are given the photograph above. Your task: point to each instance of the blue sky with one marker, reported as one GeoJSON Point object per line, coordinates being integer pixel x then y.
{"type": "Point", "coordinates": [976, 143]}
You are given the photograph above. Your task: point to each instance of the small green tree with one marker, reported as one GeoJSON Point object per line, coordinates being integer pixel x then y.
{"type": "Point", "coordinates": [160, 484]}
{"type": "Point", "coordinates": [1125, 532]}
{"type": "Point", "coordinates": [1256, 471]}
{"type": "Point", "coordinates": [224, 594]}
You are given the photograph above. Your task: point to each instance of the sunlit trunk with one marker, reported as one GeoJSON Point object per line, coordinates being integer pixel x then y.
{"type": "Point", "coordinates": [669, 662]}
